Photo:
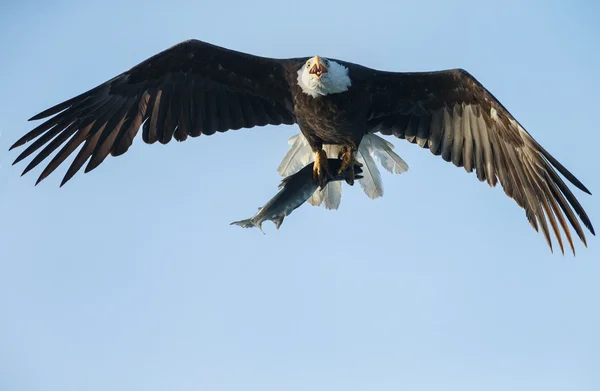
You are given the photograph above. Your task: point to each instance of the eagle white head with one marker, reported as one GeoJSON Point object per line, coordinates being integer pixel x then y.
{"type": "Point", "coordinates": [320, 76]}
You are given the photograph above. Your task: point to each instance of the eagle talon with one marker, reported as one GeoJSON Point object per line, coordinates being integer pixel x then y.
{"type": "Point", "coordinates": [321, 173]}
{"type": "Point", "coordinates": [349, 175]}
{"type": "Point", "coordinates": [349, 162]}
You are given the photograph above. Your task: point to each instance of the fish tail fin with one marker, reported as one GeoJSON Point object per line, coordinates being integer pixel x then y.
{"type": "Point", "coordinates": [248, 223]}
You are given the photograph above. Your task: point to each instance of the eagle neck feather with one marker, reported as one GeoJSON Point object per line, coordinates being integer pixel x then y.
{"type": "Point", "coordinates": [335, 81]}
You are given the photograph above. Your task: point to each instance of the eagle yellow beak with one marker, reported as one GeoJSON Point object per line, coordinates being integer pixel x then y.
{"type": "Point", "coordinates": [317, 68]}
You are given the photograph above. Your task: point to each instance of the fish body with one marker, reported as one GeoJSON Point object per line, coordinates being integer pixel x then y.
{"type": "Point", "coordinates": [294, 191]}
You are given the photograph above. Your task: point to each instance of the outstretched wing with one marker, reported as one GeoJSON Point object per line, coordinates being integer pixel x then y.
{"type": "Point", "coordinates": [454, 116]}
{"type": "Point", "coordinates": [190, 89]}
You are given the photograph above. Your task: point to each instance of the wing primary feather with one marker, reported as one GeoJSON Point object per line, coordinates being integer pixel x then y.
{"type": "Point", "coordinates": [270, 114]}
{"type": "Point", "coordinates": [61, 121]}
{"type": "Point", "coordinates": [66, 115]}
{"type": "Point", "coordinates": [247, 111]}
{"type": "Point", "coordinates": [162, 120]}
{"type": "Point", "coordinates": [154, 92]}
{"type": "Point", "coordinates": [519, 193]}
{"type": "Point", "coordinates": [490, 168]}
{"type": "Point", "coordinates": [171, 119]}
{"type": "Point", "coordinates": [184, 125]}
{"type": "Point", "coordinates": [412, 126]}
{"type": "Point", "coordinates": [551, 217]}
{"type": "Point", "coordinates": [38, 130]}
{"type": "Point", "coordinates": [531, 198]}
{"type": "Point", "coordinates": [97, 128]}
{"type": "Point", "coordinates": [235, 113]}
{"type": "Point", "coordinates": [437, 131]}
{"type": "Point", "coordinates": [393, 122]}
{"type": "Point", "coordinates": [129, 117]}
{"type": "Point", "coordinates": [500, 156]}
{"type": "Point", "coordinates": [82, 156]}
{"type": "Point", "coordinates": [468, 139]}
{"type": "Point", "coordinates": [198, 110]}
{"type": "Point", "coordinates": [178, 91]}
{"type": "Point", "coordinates": [211, 120]}
{"type": "Point", "coordinates": [423, 130]}
{"type": "Point", "coordinates": [572, 200]}
{"type": "Point", "coordinates": [448, 137]}
{"type": "Point", "coordinates": [510, 183]}
{"type": "Point", "coordinates": [399, 124]}
{"type": "Point", "coordinates": [51, 147]}
{"type": "Point", "coordinates": [41, 141]}
{"type": "Point", "coordinates": [61, 106]}
{"type": "Point", "coordinates": [563, 203]}
{"type": "Point", "coordinates": [79, 98]}
{"type": "Point", "coordinates": [68, 103]}
{"type": "Point", "coordinates": [562, 169]}
{"type": "Point", "coordinates": [557, 212]}
{"type": "Point", "coordinates": [152, 123]}
{"type": "Point", "coordinates": [375, 125]}
{"type": "Point", "coordinates": [260, 116]}
{"type": "Point", "coordinates": [457, 142]}
{"type": "Point", "coordinates": [223, 114]}
{"type": "Point", "coordinates": [130, 129]}
{"type": "Point", "coordinates": [107, 137]}
{"type": "Point", "coordinates": [66, 150]}
{"type": "Point", "coordinates": [478, 147]}
{"type": "Point", "coordinates": [539, 188]}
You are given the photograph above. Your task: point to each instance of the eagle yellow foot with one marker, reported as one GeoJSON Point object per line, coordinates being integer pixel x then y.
{"type": "Point", "coordinates": [321, 172]}
{"type": "Point", "coordinates": [348, 163]}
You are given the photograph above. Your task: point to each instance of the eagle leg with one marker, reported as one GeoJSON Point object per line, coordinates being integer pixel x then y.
{"type": "Point", "coordinates": [321, 172]}
{"type": "Point", "coordinates": [348, 156]}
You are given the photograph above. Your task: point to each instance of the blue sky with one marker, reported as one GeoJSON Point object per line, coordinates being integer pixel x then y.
{"type": "Point", "coordinates": [131, 278]}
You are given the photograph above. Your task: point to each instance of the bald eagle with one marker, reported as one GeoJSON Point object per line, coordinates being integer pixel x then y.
{"type": "Point", "coordinates": [196, 88]}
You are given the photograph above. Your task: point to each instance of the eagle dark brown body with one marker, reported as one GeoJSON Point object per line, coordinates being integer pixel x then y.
{"type": "Point", "coordinates": [331, 119]}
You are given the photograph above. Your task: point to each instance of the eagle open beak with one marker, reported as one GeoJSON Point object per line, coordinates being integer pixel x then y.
{"type": "Point", "coordinates": [318, 68]}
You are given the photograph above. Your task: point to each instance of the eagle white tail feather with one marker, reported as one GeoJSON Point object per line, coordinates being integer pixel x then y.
{"type": "Point", "coordinates": [331, 195]}
{"type": "Point", "coordinates": [382, 150]}
{"type": "Point", "coordinates": [299, 155]}
{"type": "Point", "coordinates": [371, 148]}
{"type": "Point", "coordinates": [371, 180]}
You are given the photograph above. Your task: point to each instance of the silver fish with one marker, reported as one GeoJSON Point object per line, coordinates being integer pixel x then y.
{"type": "Point", "coordinates": [294, 191]}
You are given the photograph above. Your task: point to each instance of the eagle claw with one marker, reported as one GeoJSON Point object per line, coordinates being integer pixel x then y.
{"type": "Point", "coordinates": [321, 173]}
{"type": "Point", "coordinates": [349, 162]}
